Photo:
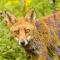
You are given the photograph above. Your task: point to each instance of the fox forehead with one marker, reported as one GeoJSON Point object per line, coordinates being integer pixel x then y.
{"type": "Point", "coordinates": [21, 24]}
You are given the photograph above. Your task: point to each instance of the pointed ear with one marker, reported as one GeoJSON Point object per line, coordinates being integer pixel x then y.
{"type": "Point", "coordinates": [31, 15]}
{"type": "Point", "coordinates": [9, 18]}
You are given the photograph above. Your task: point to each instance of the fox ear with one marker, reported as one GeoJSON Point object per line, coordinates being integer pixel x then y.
{"type": "Point", "coordinates": [31, 15]}
{"type": "Point", "coordinates": [9, 18]}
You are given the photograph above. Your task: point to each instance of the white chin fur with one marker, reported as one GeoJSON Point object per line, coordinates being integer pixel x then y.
{"type": "Point", "coordinates": [26, 42]}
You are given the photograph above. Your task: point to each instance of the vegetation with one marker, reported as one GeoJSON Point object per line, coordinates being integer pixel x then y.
{"type": "Point", "coordinates": [9, 49]}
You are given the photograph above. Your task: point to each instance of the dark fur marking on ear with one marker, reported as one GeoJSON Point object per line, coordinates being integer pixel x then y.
{"type": "Point", "coordinates": [8, 16]}
{"type": "Point", "coordinates": [32, 14]}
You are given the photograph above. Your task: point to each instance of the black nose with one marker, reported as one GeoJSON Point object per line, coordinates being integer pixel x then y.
{"type": "Point", "coordinates": [23, 43]}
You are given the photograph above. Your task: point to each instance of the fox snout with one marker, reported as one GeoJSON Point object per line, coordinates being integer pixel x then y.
{"type": "Point", "coordinates": [24, 42]}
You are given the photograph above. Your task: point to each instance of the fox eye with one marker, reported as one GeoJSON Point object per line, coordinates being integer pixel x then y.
{"type": "Point", "coordinates": [27, 30]}
{"type": "Point", "coordinates": [17, 31]}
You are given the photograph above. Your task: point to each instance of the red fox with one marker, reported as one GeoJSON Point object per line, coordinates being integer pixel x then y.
{"type": "Point", "coordinates": [35, 35]}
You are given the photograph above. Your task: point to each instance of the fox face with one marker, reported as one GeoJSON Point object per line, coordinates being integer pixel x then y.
{"type": "Point", "coordinates": [23, 32]}
{"type": "Point", "coordinates": [22, 28]}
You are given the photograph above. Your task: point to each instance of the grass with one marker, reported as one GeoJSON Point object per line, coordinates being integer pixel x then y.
{"type": "Point", "coordinates": [9, 49]}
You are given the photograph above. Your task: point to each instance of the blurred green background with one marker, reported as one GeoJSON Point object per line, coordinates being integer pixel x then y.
{"type": "Point", "coordinates": [9, 49]}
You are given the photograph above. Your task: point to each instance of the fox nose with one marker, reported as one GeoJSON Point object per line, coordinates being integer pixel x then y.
{"type": "Point", "coordinates": [23, 43]}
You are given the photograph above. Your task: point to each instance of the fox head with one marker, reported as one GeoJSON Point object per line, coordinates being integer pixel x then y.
{"type": "Point", "coordinates": [23, 28]}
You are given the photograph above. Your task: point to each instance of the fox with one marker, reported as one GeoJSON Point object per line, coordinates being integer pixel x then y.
{"type": "Point", "coordinates": [36, 36]}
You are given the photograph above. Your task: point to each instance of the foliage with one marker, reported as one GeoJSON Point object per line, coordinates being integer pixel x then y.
{"type": "Point", "coordinates": [9, 49]}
